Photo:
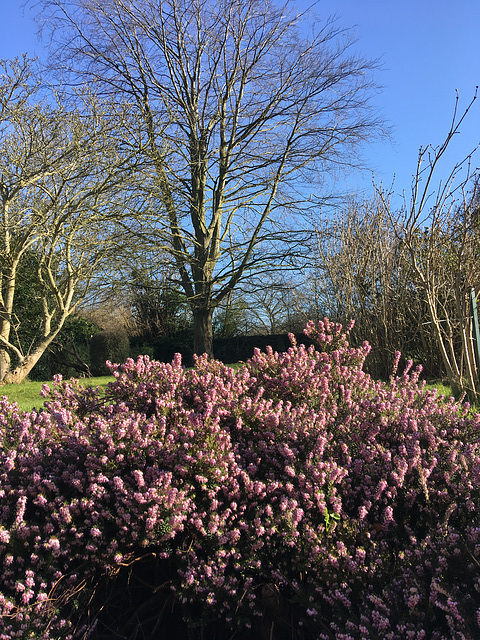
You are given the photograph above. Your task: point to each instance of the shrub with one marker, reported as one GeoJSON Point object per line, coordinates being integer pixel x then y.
{"type": "Point", "coordinates": [111, 345]}
{"type": "Point", "coordinates": [296, 496]}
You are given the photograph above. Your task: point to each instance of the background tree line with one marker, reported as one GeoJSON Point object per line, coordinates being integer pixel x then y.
{"type": "Point", "coordinates": [179, 197]}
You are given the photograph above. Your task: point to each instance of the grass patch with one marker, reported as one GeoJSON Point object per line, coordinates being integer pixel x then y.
{"type": "Point", "coordinates": [442, 389]}
{"type": "Point", "coordinates": [27, 394]}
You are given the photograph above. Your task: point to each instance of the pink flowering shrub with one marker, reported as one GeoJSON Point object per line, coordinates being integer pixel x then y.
{"type": "Point", "coordinates": [295, 497]}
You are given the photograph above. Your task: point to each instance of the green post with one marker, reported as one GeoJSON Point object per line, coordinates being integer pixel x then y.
{"type": "Point", "coordinates": [476, 330]}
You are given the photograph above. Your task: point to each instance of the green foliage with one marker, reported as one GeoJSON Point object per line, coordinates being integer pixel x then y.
{"type": "Point", "coordinates": [330, 519]}
{"type": "Point", "coordinates": [165, 348]}
{"type": "Point", "coordinates": [111, 345]}
{"type": "Point", "coordinates": [27, 312]}
{"type": "Point", "coordinates": [69, 354]}
{"type": "Point", "coordinates": [162, 319]}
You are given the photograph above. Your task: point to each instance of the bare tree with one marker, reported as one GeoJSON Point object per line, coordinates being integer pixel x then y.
{"type": "Point", "coordinates": [270, 303]}
{"type": "Point", "coordinates": [360, 270]}
{"type": "Point", "coordinates": [439, 230]}
{"type": "Point", "coordinates": [58, 176]}
{"type": "Point", "coordinates": [237, 110]}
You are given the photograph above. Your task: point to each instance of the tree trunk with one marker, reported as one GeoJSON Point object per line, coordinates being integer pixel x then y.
{"type": "Point", "coordinates": [21, 371]}
{"type": "Point", "coordinates": [203, 331]}
{"type": "Point", "coordinates": [4, 363]}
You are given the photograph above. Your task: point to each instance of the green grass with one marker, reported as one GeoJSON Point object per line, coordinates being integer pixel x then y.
{"type": "Point", "coordinates": [446, 391]}
{"type": "Point", "coordinates": [27, 394]}
{"type": "Point", "coordinates": [442, 389]}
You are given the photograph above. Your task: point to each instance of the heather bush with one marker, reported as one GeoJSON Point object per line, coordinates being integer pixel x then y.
{"type": "Point", "coordinates": [294, 498]}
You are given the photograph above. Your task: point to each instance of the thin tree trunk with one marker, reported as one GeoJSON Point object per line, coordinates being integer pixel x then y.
{"type": "Point", "coordinates": [450, 365]}
{"type": "Point", "coordinates": [4, 363]}
{"type": "Point", "coordinates": [7, 300]}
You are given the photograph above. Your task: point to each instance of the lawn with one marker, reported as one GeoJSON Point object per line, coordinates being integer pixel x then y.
{"type": "Point", "coordinates": [442, 389]}
{"type": "Point", "coordinates": [27, 394]}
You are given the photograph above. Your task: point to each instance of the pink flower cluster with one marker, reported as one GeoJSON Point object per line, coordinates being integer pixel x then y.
{"type": "Point", "coordinates": [354, 502]}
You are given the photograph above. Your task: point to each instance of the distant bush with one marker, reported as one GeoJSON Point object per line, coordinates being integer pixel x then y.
{"type": "Point", "coordinates": [296, 497]}
{"type": "Point", "coordinates": [241, 348]}
{"type": "Point", "coordinates": [111, 345]}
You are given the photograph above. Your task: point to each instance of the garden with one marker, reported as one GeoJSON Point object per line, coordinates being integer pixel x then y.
{"type": "Point", "coordinates": [294, 497]}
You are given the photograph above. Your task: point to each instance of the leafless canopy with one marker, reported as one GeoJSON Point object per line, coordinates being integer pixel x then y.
{"type": "Point", "coordinates": [238, 105]}
{"type": "Point", "coordinates": [59, 181]}
{"type": "Point", "coordinates": [439, 229]}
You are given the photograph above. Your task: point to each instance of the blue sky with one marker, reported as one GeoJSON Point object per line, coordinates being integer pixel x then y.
{"type": "Point", "coordinates": [428, 49]}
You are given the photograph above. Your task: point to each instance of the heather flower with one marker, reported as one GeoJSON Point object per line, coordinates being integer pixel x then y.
{"type": "Point", "coordinates": [354, 501]}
